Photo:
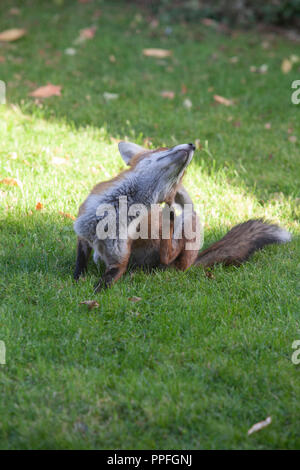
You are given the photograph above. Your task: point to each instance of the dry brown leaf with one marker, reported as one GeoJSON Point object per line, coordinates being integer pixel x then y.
{"type": "Point", "coordinates": [286, 66]}
{"type": "Point", "coordinates": [46, 91]}
{"type": "Point", "coordinates": [167, 94]}
{"type": "Point", "coordinates": [11, 182]}
{"type": "Point", "coordinates": [14, 11]}
{"type": "Point", "coordinates": [158, 53]}
{"type": "Point", "coordinates": [209, 274]}
{"type": "Point", "coordinates": [39, 206]}
{"type": "Point", "coordinates": [10, 35]}
{"type": "Point", "coordinates": [67, 215]}
{"type": "Point", "coordinates": [90, 303]}
{"type": "Point", "coordinates": [183, 89]}
{"type": "Point", "coordinates": [88, 33]}
{"type": "Point", "coordinates": [135, 299]}
{"type": "Point", "coordinates": [112, 59]}
{"type": "Point", "coordinates": [209, 22]}
{"type": "Point", "coordinates": [292, 138]}
{"type": "Point", "coordinates": [222, 100]}
{"type": "Point", "coordinates": [2, 59]}
{"type": "Point", "coordinates": [258, 426]}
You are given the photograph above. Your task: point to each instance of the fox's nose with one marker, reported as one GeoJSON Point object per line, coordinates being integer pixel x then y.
{"type": "Point", "coordinates": [193, 146]}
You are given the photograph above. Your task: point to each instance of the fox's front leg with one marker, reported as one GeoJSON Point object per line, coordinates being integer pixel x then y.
{"type": "Point", "coordinates": [116, 256]}
{"type": "Point", "coordinates": [83, 254]}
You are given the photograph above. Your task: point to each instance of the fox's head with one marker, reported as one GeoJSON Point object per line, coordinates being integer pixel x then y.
{"type": "Point", "coordinates": [158, 171]}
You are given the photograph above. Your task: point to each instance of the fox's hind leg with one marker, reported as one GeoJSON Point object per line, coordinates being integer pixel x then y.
{"type": "Point", "coordinates": [170, 248]}
{"type": "Point", "coordinates": [83, 254]}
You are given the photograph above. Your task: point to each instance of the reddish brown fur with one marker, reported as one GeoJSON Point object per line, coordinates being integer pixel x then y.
{"type": "Point", "coordinates": [234, 248]}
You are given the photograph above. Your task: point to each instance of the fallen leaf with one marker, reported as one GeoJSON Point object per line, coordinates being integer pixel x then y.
{"type": "Point", "coordinates": [12, 34]}
{"type": "Point", "coordinates": [209, 274]}
{"type": "Point", "coordinates": [2, 59]}
{"type": "Point", "coordinates": [46, 91]}
{"type": "Point", "coordinates": [14, 11]}
{"type": "Point", "coordinates": [13, 155]}
{"type": "Point", "coordinates": [90, 303]}
{"type": "Point", "coordinates": [134, 299]}
{"type": "Point", "coordinates": [154, 23]}
{"type": "Point", "coordinates": [234, 59]}
{"type": "Point", "coordinates": [85, 34]}
{"type": "Point", "coordinates": [59, 161]}
{"type": "Point", "coordinates": [88, 33]}
{"type": "Point", "coordinates": [209, 22]}
{"type": "Point", "coordinates": [167, 94]}
{"type": "Point", "coordinates": [183, 89]}
{"type": "Point", "coordinates": [294, 59]}
{"type": "Point", "coordinates": [258, 426]}
{"type": "Point", "coordinates": [112, 59]}
{"type": "Point", "coordinates": [67, 215]}
{"type": "Point", "coordinates": [263, 68]}
{"type": "Point", "coordinates": [292, 138]}
{"type": "Point", "coordinates": [70, 51]}
{"type": "Point", "coordinates": [158, 53]}
{"type": "Point", "coordinates": [11, 182]}
{"type": "Point", "coordinates": [187, 103]}
{"type": "Point", "coordinates": [222, 100]}
{"type": "Point", "coordinates": [39, 206]}
{"type": "Point", "coordinates": [110, 96]}
{"type": "Point", "coordinates": [286, 66]}
{"type": "Point", "coordinates": [268, 125]}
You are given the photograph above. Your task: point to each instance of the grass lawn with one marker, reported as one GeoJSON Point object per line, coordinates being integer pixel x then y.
{"type": "Point", "coordinates": [198, 360]}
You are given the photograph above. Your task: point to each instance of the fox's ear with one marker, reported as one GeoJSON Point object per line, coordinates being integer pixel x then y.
{"type": "Point", "coordinates": [128, 150]}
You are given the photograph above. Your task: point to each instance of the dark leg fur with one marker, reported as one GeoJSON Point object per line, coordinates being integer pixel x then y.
{"type": "Point", "coordinates": [83, 254]}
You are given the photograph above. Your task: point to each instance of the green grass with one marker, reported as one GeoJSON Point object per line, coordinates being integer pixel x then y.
{"type": "Point", "coordinates": [198, 360]}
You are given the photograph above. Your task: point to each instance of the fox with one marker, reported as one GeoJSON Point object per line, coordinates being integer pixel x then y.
{"type": "Point", "coordinates": [154, 177]}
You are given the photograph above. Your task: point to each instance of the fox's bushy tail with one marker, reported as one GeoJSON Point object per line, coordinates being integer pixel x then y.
{"type": "Point", "coordinates": [241, 241]}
